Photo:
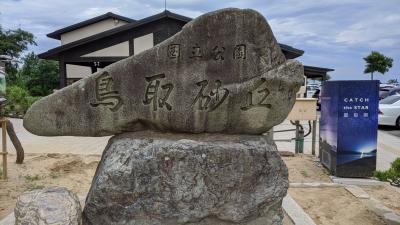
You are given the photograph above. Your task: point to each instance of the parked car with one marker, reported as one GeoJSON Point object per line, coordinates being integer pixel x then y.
{"type": "Point", "coordinates": [383, 92]}
{"type": "Point", "coordinates": [389, 111]}
{"type": "Point", "coordinates": [394, 91]}
{"type": "Point", "coordinates": [388, 91]}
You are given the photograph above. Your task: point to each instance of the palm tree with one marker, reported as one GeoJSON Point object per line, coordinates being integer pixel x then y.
{"type": "Point", "coordinates": [376, 62]}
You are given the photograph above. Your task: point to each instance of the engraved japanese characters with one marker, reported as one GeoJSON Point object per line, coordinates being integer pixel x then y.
{"type": "Point", "coordinates": [221, 73]}
{"type": "Point", "coordinates": [105, 94]}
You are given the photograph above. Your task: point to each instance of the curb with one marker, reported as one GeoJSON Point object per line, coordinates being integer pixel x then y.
{"type": "Point", "coordinates": [295, 212]}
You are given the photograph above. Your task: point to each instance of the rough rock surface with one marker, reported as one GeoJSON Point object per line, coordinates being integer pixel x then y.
{"type": "Point", "coordinates": [148, 178]}
{"type": "Point", "coordinates": [49, 206]}
{"type": "Point", "coordinates": [224, 72]}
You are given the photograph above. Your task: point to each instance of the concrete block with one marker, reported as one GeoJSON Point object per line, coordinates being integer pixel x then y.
{"type": "Point", "coordinates": [392, 218]}
{"type": "Point", "coordinates": [356, 181]}
{"type": "Point", "coordinates": [295, 212]}
{"type": "Point", "coordinates": [8, 220]}
{"type": "Point", "coordinates": [314, 185]}
{"type": "Point", "coordinates": [357, 191]}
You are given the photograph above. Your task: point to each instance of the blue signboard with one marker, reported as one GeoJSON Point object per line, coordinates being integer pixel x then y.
{"type": "Point", "coordinates": [348, 127]}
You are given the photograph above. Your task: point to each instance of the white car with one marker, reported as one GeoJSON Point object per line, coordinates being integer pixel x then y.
{"type": "Point", "coordinates": [389, 111]}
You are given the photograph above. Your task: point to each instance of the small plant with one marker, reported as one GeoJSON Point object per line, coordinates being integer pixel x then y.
{"type": "Point", "coordinates": [54, 175]}
{"type": "Point", "coordinates": [1, 173]}
{"type": "Point", "coordinates": [304, 173]}
{"type": "Point", "coordinates": [31, 178]}
{"type": "Point", "coordinates": [32, 186]}
{"type": "Point", "coordinates": [396, 165]}
{"type": "Point", "coordinates": [392, 175]}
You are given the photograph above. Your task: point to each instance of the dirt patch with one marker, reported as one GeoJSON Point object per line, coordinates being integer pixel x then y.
{"type": "Point", "coordinates": [334, 206]}
{"type": "Point", "coordinates": [388, 196]}
{"type": "Point", "coordinates": [44, 170]}
{"type": "Point", "coordinates": [306, 168]}
{"type": "Point", "coordinates": [73, 164]}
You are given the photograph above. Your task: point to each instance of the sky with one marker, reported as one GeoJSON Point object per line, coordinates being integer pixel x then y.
{"type": "Point", "coordinates": [335, 34]}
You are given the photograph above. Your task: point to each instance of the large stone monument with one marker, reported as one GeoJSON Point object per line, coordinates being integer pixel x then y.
{"type": "Point", "coordinates": [188, 117]}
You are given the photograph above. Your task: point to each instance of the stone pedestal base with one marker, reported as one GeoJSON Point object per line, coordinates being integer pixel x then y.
{"type": "Point", "coordinates": [150, 178]}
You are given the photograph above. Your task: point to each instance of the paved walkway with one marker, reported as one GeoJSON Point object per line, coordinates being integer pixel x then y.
{"type": "Point", "coordinates": [388, 149]}
{"type": "Point", "coordinates": [388, 145]}
{"type": "Point", "coordinates": [38, 144]}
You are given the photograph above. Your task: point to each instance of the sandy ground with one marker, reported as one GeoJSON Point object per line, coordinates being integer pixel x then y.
{"type": "Point", "coordinates": [334, 206]}
{"type": "Point", "coordinates": [75, 171]}
{"type": "Point", "coordinates": [306, 168]}
{"type": "Point", "coordinates": [387, 195]}
{"type": "Point", "coordinates": [44, 170]}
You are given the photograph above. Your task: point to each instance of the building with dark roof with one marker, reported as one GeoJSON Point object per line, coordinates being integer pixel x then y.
{"type": "Point", "coordinates": [105, 39]}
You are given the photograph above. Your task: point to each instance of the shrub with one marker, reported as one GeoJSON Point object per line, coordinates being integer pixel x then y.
{"type": "Point", "coordinates": [19, 99]}
{"type": "Point", "coordinates": [391, 174]}
{"type": "Point", "coordinates": [396, 165]}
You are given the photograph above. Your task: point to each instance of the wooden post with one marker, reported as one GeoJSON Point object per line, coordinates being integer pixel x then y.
{"type": "Point", "coordinates": [15, 141]}
{"type": "Point", "coordinates": [4, 144]}
{"type": "Point", "coordinates": [296, 146]}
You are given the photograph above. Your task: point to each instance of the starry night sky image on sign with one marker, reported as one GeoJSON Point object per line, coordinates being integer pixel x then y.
{"type": "Point", "coordinates": [349, 123]}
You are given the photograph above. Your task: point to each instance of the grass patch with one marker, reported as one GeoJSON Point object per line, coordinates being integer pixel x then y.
{"type": "Point", "coordinates": [54, 175]}
{"type": "Point", "coordinates": [31, 182]}
{"type": "Point", "coordinates": [33, 186]}
{"type": "Point", "coordinates": [31, 178]}
{"type": "Point", "coordinates": [304, 173]}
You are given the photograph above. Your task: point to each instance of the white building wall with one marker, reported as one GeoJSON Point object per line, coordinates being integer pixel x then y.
{"type": "Point", "coordinates": [74, 71]}
{"type": "Point", "coordinates": [143, 43]}
{"type": "Point", "coordinates": [91, 30]}
{"type": "Point", "coordinates": [121, 49]}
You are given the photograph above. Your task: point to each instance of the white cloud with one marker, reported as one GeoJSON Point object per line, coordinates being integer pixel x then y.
{"type": "Point", "coordinates": [95, 11]}
{"type": "Point", "coordinates": [375, 31]}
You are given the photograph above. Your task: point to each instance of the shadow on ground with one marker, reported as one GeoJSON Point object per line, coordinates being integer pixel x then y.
{"type": "Point", "coordinates": [390, 129]}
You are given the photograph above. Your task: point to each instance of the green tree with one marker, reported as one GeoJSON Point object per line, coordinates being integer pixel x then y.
{"type": "Point", "coordinates": [377, 62]}
{"type": "Point", "coordinates": [39, 76]}
{"type": "Point", "coordinates": [13, 43]}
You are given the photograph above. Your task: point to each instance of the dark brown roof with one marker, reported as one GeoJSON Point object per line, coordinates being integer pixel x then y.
{"type": "Point", "coordinates": [316, 72]}
{"type": "Point", "coordinates": [57, 34]}
{"type": "Point", "coordinates": [289, 51]}
{"type": "Point", "coordinates": [52, 53]}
